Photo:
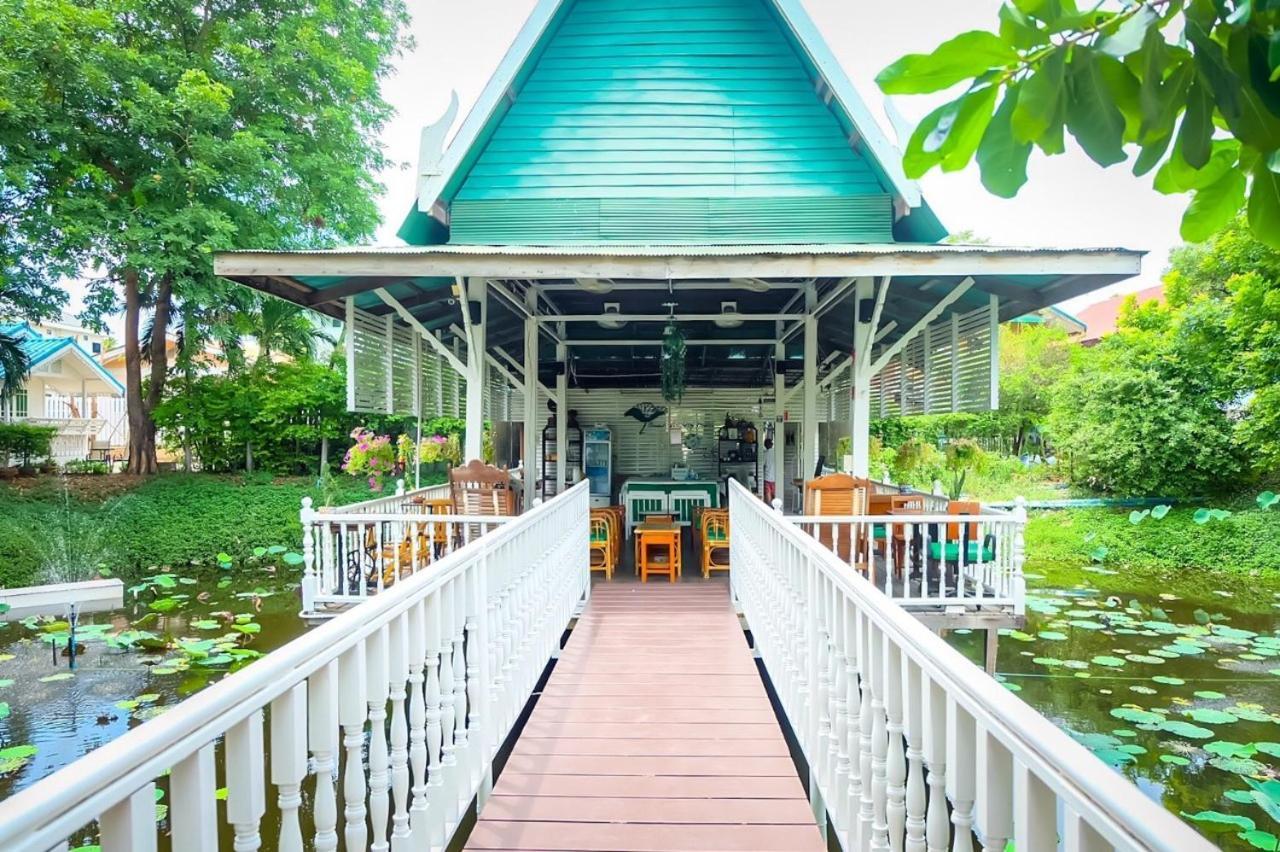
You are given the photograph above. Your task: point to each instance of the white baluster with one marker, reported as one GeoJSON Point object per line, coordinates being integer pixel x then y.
{"type": "Point", "coordinates": [879, 741]}
{"type": "Point", "coordinates": [130, 826]}
{"type": "Point", "coordinates": [838, 799]}
{"type": "Point", "coordinates": [351, 713]}
{"type": "Point", "coordinates": [461, 752]}
{"type": "Point", "coordinates": [867, 805]}
{"type": "Point", "coordinates": [476, 690]}
{"type": "Point", "coordinates": [853, 800]}
{"type": "Point", "coordinates": [448, 759]}
{"type": "Point", "coordinates": [322, 727]}
{"type": "Point", "coordinates": [914, 732]}
{"type": "Point", "coordinates": [937, 827]}
{"type": "Point", "coordinates": [1079, 836]}
{"type": "Point", "coordinates": [896, 762]}
{"type": "Point", "coordinates": [995, 792]}
{"type": "Point", "coordinates": [193, 804]}
{"type": "Point", "coordinates": [288, 762]}
{"type": "Point", "coordinates": [418, 723]}
{"type": "Point", "coordinates": [376, 672]}
{"type": "Point", "coordinates": [398, 673]}
{"type": "Point", "coordinates": [1035, 812]}
{"type": "Point", "coordinates": [961, 757]}
{"type": "Point", "coordinates": [246, 787]}
{"type": "Point", "coordinates": [435, 779]}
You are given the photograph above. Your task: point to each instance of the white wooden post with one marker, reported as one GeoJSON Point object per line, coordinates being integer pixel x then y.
{"type": "Point", "coordinates": [530, 461]}
{"type": "Point", "coordinates": [994, 330]}
{"type": "Point", "coordinates": [477, 290]}
{"type": "Point", "coordinates": [860, 380]}
{"type": "Point", "coordinates": [130, 826]}
{"type": "Point", "coordinates": [779, 415]}
{"type": "Point", "coordinates": [562, 416]}
{"type": "Point", "coordinates": [809, 458]}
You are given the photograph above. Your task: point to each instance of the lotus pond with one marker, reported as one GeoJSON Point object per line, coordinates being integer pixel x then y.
{"type": "Point", "coordinates": [1172, 679]}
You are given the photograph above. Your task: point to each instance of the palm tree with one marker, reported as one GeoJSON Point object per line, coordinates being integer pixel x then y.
{"type": "Point", "coordinates": [285, 328]}
{"type": "Point", "coordinates": [14, 366]}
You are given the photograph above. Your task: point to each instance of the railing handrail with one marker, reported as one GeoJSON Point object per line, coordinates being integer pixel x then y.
{"type": "Point", "coordinates": [408, 518]}
{"type": "Point", "coordinates": [386, 498]}
{"type": "Point", "coordinates": [86, 787]}
{"type": "Point", "coordinates": [1069, 768]}
{"type": "Point", "coordinates": [912, 518]}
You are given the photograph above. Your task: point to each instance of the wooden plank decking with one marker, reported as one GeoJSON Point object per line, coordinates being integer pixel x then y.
{"type": "Point", "coordinates": [653, 733]}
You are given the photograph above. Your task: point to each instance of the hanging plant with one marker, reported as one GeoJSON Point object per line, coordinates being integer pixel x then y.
{"type": "Point", "coordinates": [673, 350]}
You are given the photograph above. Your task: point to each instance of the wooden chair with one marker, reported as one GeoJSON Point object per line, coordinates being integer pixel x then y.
{"type": "Point", "coordinates": [481, 489]}
{"type": "Point", "coordinates": [905, 504]}
{"type": "Point", "coordinates": [837, 494]}
{"type": "Point", "coordinates": [715, 540]}
{"type": "Point", "coordinates": [601, 546]}
{"type": "Point", "coordinates": [960, 544]}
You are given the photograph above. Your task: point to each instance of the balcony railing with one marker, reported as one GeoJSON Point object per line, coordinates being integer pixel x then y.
{"type": "Point", "coordinates": [935, 559]}
{"type": "Point", "coordinates": [355, 551]}
{"type": "Point", "coordinates": [455, 651]}
{"type": "Point", "coordinates": [908, 744]}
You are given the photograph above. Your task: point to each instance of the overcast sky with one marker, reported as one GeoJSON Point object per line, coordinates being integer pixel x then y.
{"type": "Point", "coordinates": [1068, 201]}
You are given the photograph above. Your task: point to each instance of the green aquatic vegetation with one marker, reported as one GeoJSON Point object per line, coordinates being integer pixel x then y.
{"type": "Point", "coordinates": [1185, 729]}
{"type": "Point", "coordinates": [1169, 681]}
{"type": "Point", "coordinates": [1144, 658]}
{"type": "Point", "coordinates": [1209, 716]}
{"type": "Point", "coordinates": [1267, 499]}
{"type": "Point", "coordinates": [1052, 635]}
{"type": "Point", "coordinates": [1137, 715]}
{"type": "Point", "coordinates": [1220, 819]}
{"type": "Point", "coordinates": [1260, 839]}
{"type": "Point", "coordinates": [14, 758]}
{"type": "Point", "coordinates": [1110, 662]}
{"type": "Point", "coordinates": [1208, 694]}
{"type": "Point", "coordinates": [1238, 765]}
{"type": "Point", "coordinates": [1224, 748]}
{"type": "Point", "coordinates": [1174, 759]}
{"type": "Point", "coordinates": [1266, 795]}
{"type": "Point", "coordinates": [1158, 512]}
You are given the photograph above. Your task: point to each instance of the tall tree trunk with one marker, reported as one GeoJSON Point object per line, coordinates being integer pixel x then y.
{"type": "Point", "coordinates": [142, 429]}
{"type": "Point", "coordinates": [324, 453]}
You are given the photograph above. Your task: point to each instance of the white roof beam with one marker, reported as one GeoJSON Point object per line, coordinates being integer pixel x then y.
{"type": "Point", "coordinates": [934, 312]}
{"type": "Point", "coordinates": [413, 323]}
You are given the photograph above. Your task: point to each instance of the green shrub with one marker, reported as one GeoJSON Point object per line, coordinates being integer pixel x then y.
{"type": "Point", "coordinates": [28, 443]}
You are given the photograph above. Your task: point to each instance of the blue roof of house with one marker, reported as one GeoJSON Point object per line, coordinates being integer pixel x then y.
{"type": "Point", "coordinates": [38, 348]}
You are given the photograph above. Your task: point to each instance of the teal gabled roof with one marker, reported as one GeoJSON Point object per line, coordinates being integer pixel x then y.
{"type": "Point", "coordinates": [39, 349]}
{"type": "Point", "coordinates": [672, 122]}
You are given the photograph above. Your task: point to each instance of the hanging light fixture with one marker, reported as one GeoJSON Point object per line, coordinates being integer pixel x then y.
{"type": "Point", "coordinates": [609, 317]}
{"type": "Point", "coordinates": [729, 316]}
{"type": "Point", "coordinates": [598, 286]}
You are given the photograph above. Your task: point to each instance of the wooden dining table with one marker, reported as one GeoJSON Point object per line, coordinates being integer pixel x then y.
{"type": "Point", "coordinates": [654, 532]}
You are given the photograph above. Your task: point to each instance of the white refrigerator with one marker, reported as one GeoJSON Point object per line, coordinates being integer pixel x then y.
{"type": "Point", "coordinates": [597, 464]}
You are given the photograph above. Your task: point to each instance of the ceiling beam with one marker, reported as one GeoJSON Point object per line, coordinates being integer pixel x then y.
{"type": "Point", "coordinates": [956, 292]}
{"type": "Point", "coordinates": [413, 322]}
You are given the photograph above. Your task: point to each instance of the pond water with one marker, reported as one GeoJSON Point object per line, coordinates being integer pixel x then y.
{"type": "Point", "coordinates": [1174, 680]}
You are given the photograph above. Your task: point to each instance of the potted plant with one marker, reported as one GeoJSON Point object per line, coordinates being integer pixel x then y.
{"type": "Point", "coordinates": [372, 455]}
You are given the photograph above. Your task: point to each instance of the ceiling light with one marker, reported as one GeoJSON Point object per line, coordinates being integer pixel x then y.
{"type": "Point", "coordinates": [599, 286]}
{"type": "Point", "coordinates": [755, 285]}
{"type": "Point", "coordinates": [608, 317]}
{"type": "Point", "coordinates": [729, 316]}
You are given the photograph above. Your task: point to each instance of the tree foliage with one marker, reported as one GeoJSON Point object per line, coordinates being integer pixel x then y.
{"type": "Point", "coordinates": [137, 137]}
{"type": "Point", "coordinates": [1148, 410]}
{"type": "Point", "coordinates": [1188, 88]}
{"type": "Point", "coordinates": [1033, 358]}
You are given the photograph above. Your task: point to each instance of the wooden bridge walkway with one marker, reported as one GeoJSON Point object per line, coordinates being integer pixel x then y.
{"type": "Point", "coordinates": [653, 733]}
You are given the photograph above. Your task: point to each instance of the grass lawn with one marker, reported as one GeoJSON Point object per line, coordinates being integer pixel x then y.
{"type": "Point", "coordinates": [132, 525]}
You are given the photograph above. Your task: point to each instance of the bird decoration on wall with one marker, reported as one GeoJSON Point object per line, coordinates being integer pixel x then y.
{"type": "Point", "coordinates": [645, 413]}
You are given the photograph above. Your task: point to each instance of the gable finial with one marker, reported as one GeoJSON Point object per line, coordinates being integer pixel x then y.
{"type": "Point", "coordinates": [431, 146]}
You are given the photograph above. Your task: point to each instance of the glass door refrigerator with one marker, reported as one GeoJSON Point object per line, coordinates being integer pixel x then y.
{"type": "Point", "coordinates": [597, 459]}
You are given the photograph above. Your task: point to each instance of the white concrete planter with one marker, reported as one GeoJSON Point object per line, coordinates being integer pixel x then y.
{"type": "Point", "coordinates": [53, 599]}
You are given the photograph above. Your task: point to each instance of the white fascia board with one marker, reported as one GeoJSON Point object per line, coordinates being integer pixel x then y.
{"type": "Point", "coordinates": [506, 263]}
{"type": "Point", "coordinates": [487, 104]}
{"type": "Point", "coordinates": [886, 154]}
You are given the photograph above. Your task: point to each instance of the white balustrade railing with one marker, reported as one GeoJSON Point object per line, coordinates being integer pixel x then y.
{"type": "Point", "coordinates": [359, 550]}
{"type": "Point", "coordinates": [931, 559]}
{"type": "Point", "coordinates": [909, 745]}
{"type": "Point", "coordinates": [405, 698]}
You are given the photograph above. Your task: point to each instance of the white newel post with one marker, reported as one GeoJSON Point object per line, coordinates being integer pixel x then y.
{"type": "Point", "coordinates": [477, 290]}
{"type": "Point", "coordinates": [809, 439]}
{"type": "Point", "coordinates": [309, 581]}
{"type": "Point", "coordinates": [1019, 555]}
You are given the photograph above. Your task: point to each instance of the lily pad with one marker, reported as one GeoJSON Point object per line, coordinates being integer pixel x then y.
{"type": "Point", "coordinates": [1220, 819]}
{"type": "Point", "coordinates": [54, 678]}
{"type": "Point", "coordinates": [1174, 760]}
{"type": "Point", "coordinates": [1169, 681]}
{"type": "Point", "coordinates": [1052, 635]}
{"type": "Point", "coordinates": [1201, 516]}
{"type": "Point", "coordinates": [1224, 748]}
{"type": "Point", "coordinates": [1259, 839]}
{"type": "Point", "coordinates": [292, 558]}
{"type": "Point", "coordinates": [1158, 512]}
{"type": "Point", "coordinates": [1136, 517]}
{"type": "Point", "coordinates": [1208, 694]}
{"type": "Point", "coordinates": [1267, 499]}
{"type": "Point", "coordinates": [1211, 717]}
{"type": "Point", "coordinates": [1186, 729]}
{"type": "Point", "coordinates": [1137, 715]}
{"type": "Point", "coordinates": [1238, 765]}
{"type": "Point", "coordinates": [1110, 662]}
{"type": "Point", "coordinates": [14, 758]}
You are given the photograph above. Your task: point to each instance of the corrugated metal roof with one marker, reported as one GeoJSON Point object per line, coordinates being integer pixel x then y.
{"type": "Point", "coordinates": [40, 349]}
{"type": "Point", "coordinates": [706, 250]}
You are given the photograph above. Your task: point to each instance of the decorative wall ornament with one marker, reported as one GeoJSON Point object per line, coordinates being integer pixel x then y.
{"type": "Point", "coordinates": [645, 413]}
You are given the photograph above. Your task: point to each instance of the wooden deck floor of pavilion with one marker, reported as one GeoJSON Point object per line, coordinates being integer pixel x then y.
{"type": "Point", "coordinates": [654, 732]}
